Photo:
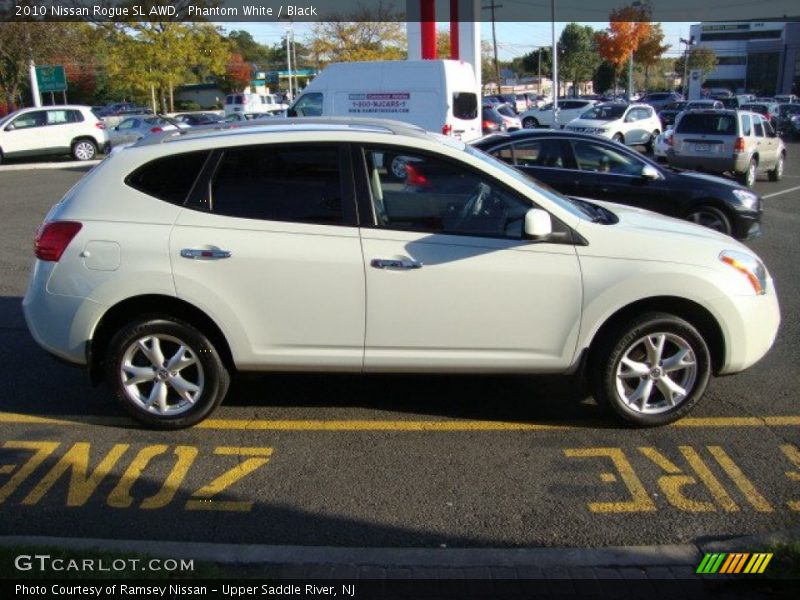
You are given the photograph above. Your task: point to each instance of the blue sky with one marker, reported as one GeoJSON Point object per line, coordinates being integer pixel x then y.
{"type": "Point", "coordinates": [513, 39]}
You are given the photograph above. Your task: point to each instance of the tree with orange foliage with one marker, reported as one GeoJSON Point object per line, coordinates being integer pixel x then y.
{"type": "Point", "coordinates": [238, 74]}
{"type": "Point", "coordinates": [628, 27]}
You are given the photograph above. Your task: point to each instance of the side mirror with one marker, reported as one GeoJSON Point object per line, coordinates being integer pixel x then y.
{"type": "Point", "coordinates": [538, 224]}
{"type": "Point", "coordinates": [116, 128]}
{"type": "Point", "coordinates": [10, 127]}
{"type": "Point", "coordinates": [291, 112]}
{"type": "Point", "coordinates": [629, 119]}
{"type": "Point", "coordinates": [650, 172]}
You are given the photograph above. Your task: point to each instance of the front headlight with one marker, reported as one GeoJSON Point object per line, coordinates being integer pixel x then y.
{"type": "Point", "coordinates": [749, 266]}
{"type": "Point", "coordinates": [748, 199]}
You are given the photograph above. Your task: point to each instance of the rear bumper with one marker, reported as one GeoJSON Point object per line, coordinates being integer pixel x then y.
{"type": "Point", "coordinates": [714, 164]}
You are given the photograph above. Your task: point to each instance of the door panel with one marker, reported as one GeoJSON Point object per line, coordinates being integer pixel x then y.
{"type": "Point", "coordinates": [461, 290]}
{"type": "Point", "coordinates": [272, 256]}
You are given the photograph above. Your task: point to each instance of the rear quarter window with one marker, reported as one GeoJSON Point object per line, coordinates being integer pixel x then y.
{"type": "Point", "coordinates": [170, 178]}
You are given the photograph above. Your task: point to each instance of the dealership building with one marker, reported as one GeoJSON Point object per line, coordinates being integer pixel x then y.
{"type": "Point", "coordinates": [759, 57]}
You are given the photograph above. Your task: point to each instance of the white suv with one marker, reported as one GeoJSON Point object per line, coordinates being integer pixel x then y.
{"type": "Point", "coordinates": [66, 129]}
{"type": "Point", "coordinates": [289, 247]}
{"type": "Point", "coordinates": [630, 124]}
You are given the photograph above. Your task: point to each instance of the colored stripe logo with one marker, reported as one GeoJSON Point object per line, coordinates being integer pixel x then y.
{"type": "Point", "coordinates": [734, 563]}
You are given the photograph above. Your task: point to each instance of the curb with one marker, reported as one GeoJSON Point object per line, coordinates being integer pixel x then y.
{"type": "Point", "coordinates": [50, 166]}
{"type": "Point", "coordinates": [247, 554]}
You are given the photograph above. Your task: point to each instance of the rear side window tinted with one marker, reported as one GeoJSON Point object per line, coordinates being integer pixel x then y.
{"type": "Point", "coordinates": [170, 178]}
{"type": "Point", "coordinates": [465, 105]}
{"type": "Point", "coordinates": [290, 183]}
{"type": "Point", "coordinates": [709, 123]}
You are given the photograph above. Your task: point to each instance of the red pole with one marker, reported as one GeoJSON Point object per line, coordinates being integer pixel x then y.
{"type": "Point", "coordinates": [454, 52]}
{"type": "Point", "coordinates": [427, 10]}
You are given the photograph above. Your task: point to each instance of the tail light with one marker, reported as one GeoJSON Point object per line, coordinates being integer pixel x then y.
{"type": "Point", "coordinates": [156, 130]}
{"type": "Point", "coordinates": [738, 145]}
{"type": "Point", "coordinates": [100, 125]}
{"type": "Point", "coordinates": [53, 238]}
{"type": "Point", "coordinates": [488, 124]}
{"type": "Point", "coordinates": [447, 129]}
{"type": "Point", "coordinates": [668, 140]}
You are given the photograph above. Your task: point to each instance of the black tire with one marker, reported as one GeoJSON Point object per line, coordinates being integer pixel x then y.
{"type": "Point", "coordinates": [628, 341]}
{"type": "Point", "coordinates": [84, 149]}
{"type": "Point", "coordinates": [203, 369]}
{"type": "Point", "coordinates": [748, 178]}
{"type": "Point", "coordinates": [651, 143]}
{"type": "Point", "coordinates": [710, 217]}
{"type": "Point", "coordinates": [618, 137]}
{"type": "Point", "coordinates": [776, 174]}
{"type": "Point", "coordinates": [530, 123]}
{"type": "Point", "coordinates": [1, 157]}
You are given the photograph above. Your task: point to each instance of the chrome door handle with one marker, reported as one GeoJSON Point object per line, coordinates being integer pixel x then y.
{"type": "Point", "coordinates": [394, 263]}
{"type": "Point", "coordinates": [204, 254]}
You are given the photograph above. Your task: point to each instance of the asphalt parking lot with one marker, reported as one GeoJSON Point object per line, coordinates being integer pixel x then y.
{"type": "Point", "coordinates": [456, 461]}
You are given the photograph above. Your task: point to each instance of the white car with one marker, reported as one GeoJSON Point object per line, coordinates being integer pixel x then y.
{"type": "Point", "coordinates": [544, 116]}
{"type": "Point", "coordinates": [53, 130]}
{"type": "Point", "coordinates": [289, 247]}
{"type": "Point", "coordinates": [661, 145]}
{"type": "Point", "coordinates": [630, 124]}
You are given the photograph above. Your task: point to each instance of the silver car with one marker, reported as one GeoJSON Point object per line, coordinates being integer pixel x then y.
{"type": "Point", "coordinates": [727, 141]}
{"type": "Point", "coordinates": [135, 128]}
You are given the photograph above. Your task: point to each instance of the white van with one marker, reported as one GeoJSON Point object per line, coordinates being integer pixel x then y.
{"type": "Point", "coordinates": [253, 104]}
{"type": "Point", "coordinates": [437, 95]}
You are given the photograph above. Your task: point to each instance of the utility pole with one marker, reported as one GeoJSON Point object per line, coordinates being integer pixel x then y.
{"type": "Point", "coordinates": [539, 80]}
{"type": "Point", "coordinates": [685, 81]}
{"type": "Point", "coordinates": [492, 7]}
{"type": "Point", "coordinates": [555, 63]}
{"type": "Point", "coordinates": [289, 59]}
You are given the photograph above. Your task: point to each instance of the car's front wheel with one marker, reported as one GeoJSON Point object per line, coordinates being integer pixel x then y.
{"type": "Point", "coordinates": [650, 146]}
{"type": "Point", "coordinates": [530, 123]}
{"type": "Point", "coordinates": [618, 137]}
{"type": "Point", "coordinates": [165, 373]}
{"type": "Point", "coordinates": [84, 150]}
{"type": "Point", "coordinates": [651, 371]}
{"type": "Point", "coordinates": [710, 217]}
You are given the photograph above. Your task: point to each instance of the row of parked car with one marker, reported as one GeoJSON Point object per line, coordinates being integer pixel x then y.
{"type": "Point", "coordinates": [78, 130]}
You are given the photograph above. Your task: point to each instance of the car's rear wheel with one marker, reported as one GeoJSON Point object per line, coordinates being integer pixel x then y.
{"type": "Point", "coordinates": [651, 143]}
{"type": "Point", "coordinates": [711, 217]}
{"type": "Point", "coordinates": [84, 150]}
{"type": "Point", "coordinates": [748, 178]}
{"type": "Point", "coordinates": [777, 173]}
{"type": "Point", "coordinates": [651, 371]}
{"type": "Point", "coordinates": [530, 123]}
{"type": "Point", "coordinates": [165, 373]}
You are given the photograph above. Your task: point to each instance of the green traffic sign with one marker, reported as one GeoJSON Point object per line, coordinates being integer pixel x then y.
{"type": "Point", "coordinates": [51, 78]}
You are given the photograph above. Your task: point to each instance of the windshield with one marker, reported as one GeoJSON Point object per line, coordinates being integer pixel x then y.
{"type": "Point", "coordinates": [571, 206]}
{"type": "Point", "coordinates": [605, 112]}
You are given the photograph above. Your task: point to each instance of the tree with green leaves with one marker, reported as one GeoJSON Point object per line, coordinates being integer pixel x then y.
{"type": "Point", "coordinates": [650, 51]}
{"type": "Point", "coordinates": [531, 60]}
{"type": "Point", "coordinates": [21, 42]}
{"type": "Point", "coordinates": [700, 57]}
{"type": "Point", "coordinates": [345, 41]}
{"type": "Point", "coordinates": [243, 44]}
{"type": "Point", "coordinates": [577, 54]}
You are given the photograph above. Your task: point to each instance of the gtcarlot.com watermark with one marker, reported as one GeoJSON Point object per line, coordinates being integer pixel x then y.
{"type": "Point", "coordinates": [45, 563]}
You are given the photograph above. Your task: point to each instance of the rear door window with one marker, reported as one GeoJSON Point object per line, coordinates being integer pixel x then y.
{"type": "Point", "coordinates": [465, 105]}
{"type": "Point", "coordinates": [747, 127]}
{"type": "Point", "coordinates": [758, 126]}
{"type": "Point", "coordinates": [297, 183]}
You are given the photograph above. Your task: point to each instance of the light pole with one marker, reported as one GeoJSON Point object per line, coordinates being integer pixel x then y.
{"type": "Point", "coordinates": [555, 64]}
{"type": "Point", "coordinates": [684, 81]}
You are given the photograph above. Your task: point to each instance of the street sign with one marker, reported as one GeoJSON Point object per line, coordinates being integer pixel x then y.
{"type": "Point", "coordinates": [51, 78]}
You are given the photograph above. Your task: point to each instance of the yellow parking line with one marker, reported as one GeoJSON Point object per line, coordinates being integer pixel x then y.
{"type": "Point", "coordinates": [394, 425]}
